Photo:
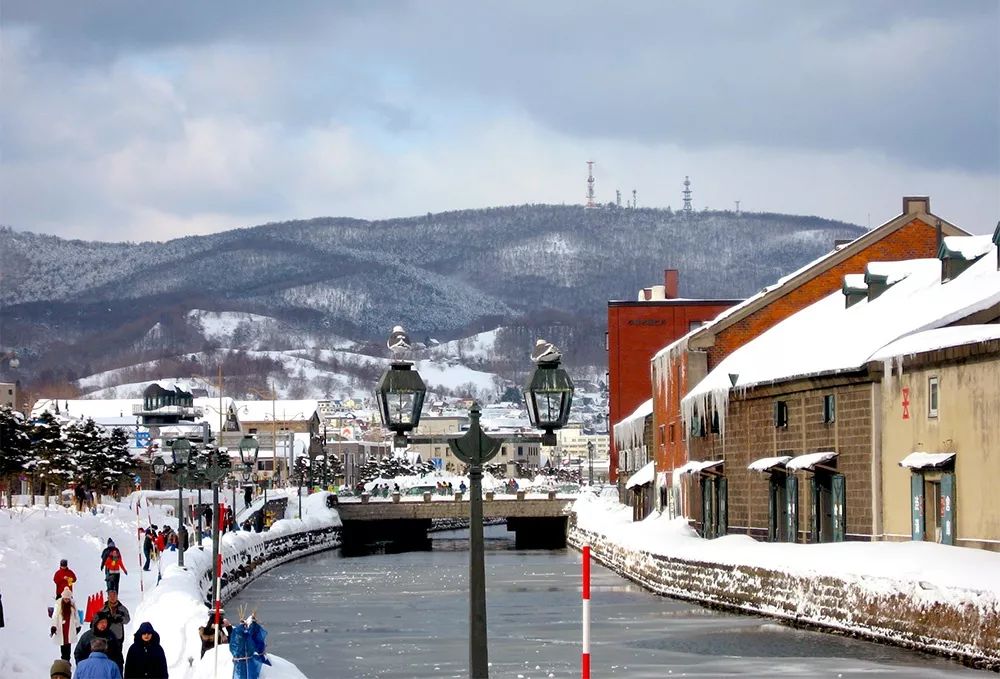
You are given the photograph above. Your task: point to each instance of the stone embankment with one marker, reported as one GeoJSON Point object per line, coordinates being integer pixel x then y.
{"type": "Point", "coordinates": [883, 610]}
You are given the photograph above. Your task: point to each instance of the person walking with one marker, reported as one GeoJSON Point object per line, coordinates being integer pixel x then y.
{"type": "Point", "coordinates": [61, 669]}
{"type": "Point", "coordinates": [146, 659]}
{"type": "Point", "coordinates": [147, 547]}
{"type": "Point", "coordinates": [113, 568]}
{"type": "Point", "coordinates": [118, 617]}
{"type": "Point", "coordinates": [98, 665]}
{"type": "Point", "coordinates": [99, 628]}
{"type": "Point", "coordinates": [64, 577]}
{"type": "Point", "coordinates": [106, 552]}
{"type": "Point", "coordinates": [80, 493]}
{"type": "Point", "coordinates": [65, 623]}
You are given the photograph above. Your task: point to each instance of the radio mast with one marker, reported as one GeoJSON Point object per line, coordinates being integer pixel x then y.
{"type": "Point", "coordinates": [590, 185]}
{"type": "Point", "coordinates": [687, 196]}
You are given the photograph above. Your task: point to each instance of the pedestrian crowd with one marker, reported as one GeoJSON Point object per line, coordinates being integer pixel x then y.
{"type": "Point", "coordinates": [99, 650]}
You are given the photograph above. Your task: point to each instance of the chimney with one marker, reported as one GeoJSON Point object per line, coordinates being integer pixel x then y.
{"type": "Point", "coordinates": [913, 205]}
{"type": "Point", "coordinates": [670, 283]}
{"type": "Point", "coordinates": [647, 294]}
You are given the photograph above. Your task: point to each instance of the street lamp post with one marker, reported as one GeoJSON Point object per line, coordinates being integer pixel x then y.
{"type": "Point", "coordinates": [159, 466]}
{"type": "Point", "coordinates": [180, 449]}
{"type": "Point", "coordinates": [400, 395]}
{"type": "Point", "coordinates": [249, 447]}
{"type": "Point", "coordinates": [590, 459]}
{"type": "Point", "coordinates": [215, 468]}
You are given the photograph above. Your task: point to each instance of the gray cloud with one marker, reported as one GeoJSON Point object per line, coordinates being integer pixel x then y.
{"type": "Point", "coordinates": [215, 114]}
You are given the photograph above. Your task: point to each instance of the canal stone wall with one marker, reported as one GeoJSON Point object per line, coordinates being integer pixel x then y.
{"type": "Point", "coordinates": [246, 556]}
{"type": "Point", "coordinates": [881, 611]}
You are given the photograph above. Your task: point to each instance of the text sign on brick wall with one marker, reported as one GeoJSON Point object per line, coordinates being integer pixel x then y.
{"type": "Point", "coordinates": [906, 403]}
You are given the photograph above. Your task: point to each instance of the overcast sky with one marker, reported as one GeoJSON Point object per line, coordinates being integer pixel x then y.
{"type": "Point", "coordinates": [148, 121]}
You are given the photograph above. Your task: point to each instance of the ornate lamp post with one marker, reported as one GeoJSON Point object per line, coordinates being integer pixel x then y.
{"type": "Point", "coordinates": [159, 466]}
{"type": "Point", "coordinates": [590, 459]}
{"type": "Point", "coordinates": [249, 447]}
{"type": "Point", "coordinates": [200, 462]}
{"type": "Point", "coordinates": [215, 467]}
{"type": "Point", "coordinates": [180, 449]}
{"type": "Point", "coordinates": [400, 396]}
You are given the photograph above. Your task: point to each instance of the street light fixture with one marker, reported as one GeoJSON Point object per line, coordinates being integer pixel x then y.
{"type": "Point", "coordinates": [159, 466]}
{"type": "Point", "coordinates": [215, 467]}
{"type": "Point", "coordinates": [400, 396]}
{"type": "Point", "coordinates": [180, 449]}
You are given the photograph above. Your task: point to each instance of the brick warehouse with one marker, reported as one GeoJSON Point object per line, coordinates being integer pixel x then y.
{"type": "Point", "coordinates": [636, 331]}
{"type": "Point", "coordinates": [788, 433]}
{"type": "Point", "coordinates": [679, 366]}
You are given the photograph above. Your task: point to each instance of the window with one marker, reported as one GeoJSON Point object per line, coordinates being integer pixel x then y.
{"type": "Point", "coordinates": [520, 451]}
{"type": "Point", "coordinates": [252, 430]}
{"type": "Point", "coordinates": [672, 434]}
{"type": "Point", "coordinates": [829, 408]}
{"type": "Point", "coordinates": [606, 344]}
{"type": "Point", "coordinates": [781, 413]}
{"type": "Point", "coordinates": [697, 425]}
{"type": "Point", "coordinates": [932, 397]}
{"type": "Point", "coordinates": [663, 434]}
{"type": "Point", "coordinates": [715, 421]}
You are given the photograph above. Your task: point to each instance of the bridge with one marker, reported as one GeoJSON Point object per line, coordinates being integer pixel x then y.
{"type": "Point", "coordinates": [538, 520]}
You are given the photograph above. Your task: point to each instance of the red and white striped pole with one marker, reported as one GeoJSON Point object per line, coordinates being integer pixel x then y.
{"type": "Point", "coordinates": [585, 659]}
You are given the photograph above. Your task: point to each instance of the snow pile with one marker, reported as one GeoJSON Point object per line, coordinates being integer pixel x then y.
{"type": "Point", "coordinates": [34, 539]}
{"type": "Point", "coordinates": [936, 572]}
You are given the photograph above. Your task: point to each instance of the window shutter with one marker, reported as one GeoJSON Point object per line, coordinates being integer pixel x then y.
{"type": "Point", "coordinates": [839, 507]}
{"type": "Point", "coordinates": [917, 506]}
{"type": "Point", "coordinates": [815, 504]}
{"type": "Point", "coordinates": [707, 520]}
{"type": "Point", "coordinates": [772, 508]}
{"type": "Point", "coordinates": [792, 502]}
{"type": "Point", "coordinates": [947, 508]}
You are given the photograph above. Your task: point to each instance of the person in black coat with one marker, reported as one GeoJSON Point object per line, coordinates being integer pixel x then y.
{"type": "Point", "coordinates": [146, 659]}
{"type": "Point", "coordinates": [100, 627]}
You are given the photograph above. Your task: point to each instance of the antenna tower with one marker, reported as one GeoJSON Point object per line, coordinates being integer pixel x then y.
{"type": "Point", "coordinates": [737, 207]}
{"type": "Point", "coordinates": [618, 197]}
{"type": "Point", "coordinates": [687, 196]}
{"type": "Point", "coordinates": [634, 200]}
{"type": "Point", "coordinates": [590, 185]}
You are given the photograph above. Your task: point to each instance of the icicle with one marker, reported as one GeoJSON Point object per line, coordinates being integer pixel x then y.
{"type": "Point", "coordinates": [887, 373]}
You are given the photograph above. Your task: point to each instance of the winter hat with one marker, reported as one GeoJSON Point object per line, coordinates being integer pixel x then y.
{"type": "Point", "coordinates": [67, 593]}
{"type": "Point", "coordinates": [63, 563]}
{"type": "Point", "coordinates": [146, 628]}
{"type": "Point", "coordinates": [61, 668]}
{"type": "Point", "coordinates": [110, 542]}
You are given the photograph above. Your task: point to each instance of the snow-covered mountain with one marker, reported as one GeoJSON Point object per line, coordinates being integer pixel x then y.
{"type": "Point", "coordinates": [73, 308]}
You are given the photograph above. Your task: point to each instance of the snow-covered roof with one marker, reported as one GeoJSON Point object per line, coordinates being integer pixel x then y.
{"type": "Point", "coordinates": [766, 464]}
{"type": "Point", "coordinates": [938, 338]}
{"type": "Point", "coordinates": [966, 247]}
{"type": "Point", "coordinates": [809, 460]}
{"type": "Point", "coordinates": [697, 466]}
{"type": "Point", "coordinates": [175, 430]}
{"type": "Point", "coordinates": [855, 281]}
{"type": "Point", "coordinates": [892, 272]}
{"type": "Point", "coordinates": [641, 477]}
{"type": "Point", "coordinates": [828, 336]}
{"type": "Point", "coordinates": [629, 433]}
{"type": "Point", "coordinates": [919, 460]}
{"type": "Point", "coordinates": [84, 408]}
{"type": "Point", "coordinates": [279, 410]}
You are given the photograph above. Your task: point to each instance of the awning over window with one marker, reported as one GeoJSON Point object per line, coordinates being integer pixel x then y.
{"type": "Point", "coordinates": [919, 460]}
{"type": "Point", "coordinates": [641, 477]}
{"type": "Point", "coordinates": [766, 464]}
{"type": "Point", "coordinates": [809, 460]}
{"type": "Point", "coordinates": [697, 466]}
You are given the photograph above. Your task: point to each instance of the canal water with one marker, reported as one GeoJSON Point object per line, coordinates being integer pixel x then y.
{"type": "Point", "coordinates": [405, 616]}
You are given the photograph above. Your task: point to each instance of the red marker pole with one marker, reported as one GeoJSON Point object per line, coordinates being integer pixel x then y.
{"type": "Point", "coordinates": [585, 659]}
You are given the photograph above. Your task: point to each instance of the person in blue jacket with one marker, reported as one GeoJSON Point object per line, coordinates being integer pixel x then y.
{"type": "Point", "coordinates": [98, 665]}
{"type": "Point", "coordinates": [145, 659]}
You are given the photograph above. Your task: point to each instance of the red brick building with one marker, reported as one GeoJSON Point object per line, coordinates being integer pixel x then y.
{"type": "Point", "coordinates": [636, 331]}
{"type": "Point", "coordinates": [678, 367]}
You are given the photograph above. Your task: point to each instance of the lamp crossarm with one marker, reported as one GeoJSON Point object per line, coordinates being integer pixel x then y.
{"type": "Point", "coordinates": [447, 438]}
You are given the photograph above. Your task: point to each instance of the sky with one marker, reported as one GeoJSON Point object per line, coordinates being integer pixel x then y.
{"type": "Point", "coordinates": [150, 121]}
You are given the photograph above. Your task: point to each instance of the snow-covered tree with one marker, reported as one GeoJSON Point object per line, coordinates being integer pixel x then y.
{"type": "Point", "coordinates": [86, 442]}
{"type": "Point", "coordinates": [118, 463]}
{"type": "Point", "coordinates": [50, 461]}
{"type": "Point", "coordinates": [14, 446]}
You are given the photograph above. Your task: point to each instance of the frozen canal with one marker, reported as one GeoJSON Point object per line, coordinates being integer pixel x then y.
{"type": "Point", "coordinates": [406, 616]}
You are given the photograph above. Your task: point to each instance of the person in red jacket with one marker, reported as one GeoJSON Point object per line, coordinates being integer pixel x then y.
{"type": "Point", "coordinates": [64, 577]}
{"type": "Point", "coordinates": [113, 568]}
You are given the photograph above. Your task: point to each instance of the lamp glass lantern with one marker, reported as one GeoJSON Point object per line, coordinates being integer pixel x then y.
{"type": "Point", "coordinates": [549, 397]}
{"type": "Point", "coordinates": [159, 466]}
{"type": "Point", "coordinates": [180, 449]}
{"type": "Point", "coordinates": [249, 447]}
{"type": "Point", "coordinates": [400, 396]}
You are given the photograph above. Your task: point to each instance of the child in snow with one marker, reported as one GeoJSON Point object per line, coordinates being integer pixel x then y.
{"type": "Point", "coordinates": [113, 568]}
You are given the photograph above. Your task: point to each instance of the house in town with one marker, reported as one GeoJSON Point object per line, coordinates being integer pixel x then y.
{"type": "Point", "coordinates": [679, 366]}
{"type": "Point", "coordinates": [636, 331]}
{"type": "Point", "coordinates": [799, 434]}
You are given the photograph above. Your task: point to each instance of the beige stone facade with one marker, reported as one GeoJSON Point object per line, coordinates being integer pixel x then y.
{"type": "Point", "coordinates": [966, 422]}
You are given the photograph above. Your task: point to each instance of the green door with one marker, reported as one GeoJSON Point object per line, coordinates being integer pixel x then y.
{"type": "Point", "coordinates": [722, 493]}
{"type": "Point", "coordinates": [917, 506]}
{"type": "Point", "coordinates": [707, 518]}
{"type": "Point", "coordinates": [947, 508]}
{"type": "Point", "coordinates": [772, 509]}
{"type": "Point", "coordinates": [792, 503]}
{"type": "Point", "coordinates": [816, 504]}
{"type": "Point", "coordinates": [839, 487]}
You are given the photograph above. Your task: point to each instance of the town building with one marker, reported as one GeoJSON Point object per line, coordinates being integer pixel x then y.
{"type": "Point", "coordinates": [636, 331]}
{"type": "Point", "coordinates": [679, 366]}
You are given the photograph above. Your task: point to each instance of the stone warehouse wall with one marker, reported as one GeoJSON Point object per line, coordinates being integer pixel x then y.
{"type": "Point", "coordinates": [884, 610]}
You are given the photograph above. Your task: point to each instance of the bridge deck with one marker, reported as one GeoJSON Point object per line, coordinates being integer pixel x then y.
{"type": "Point", "coordinates": [382, 509]}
